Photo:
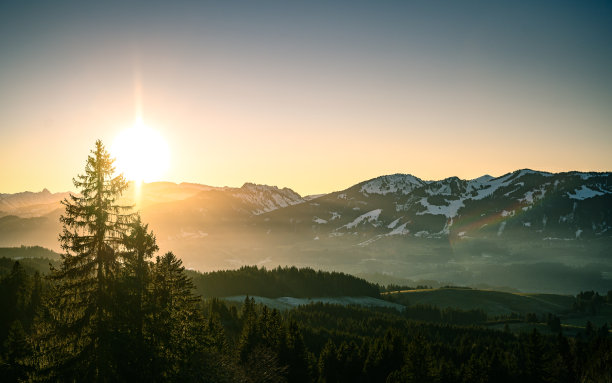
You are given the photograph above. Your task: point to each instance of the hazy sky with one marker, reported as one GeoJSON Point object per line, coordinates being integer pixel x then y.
{"type": "Point", "coordinates": [313, 95]}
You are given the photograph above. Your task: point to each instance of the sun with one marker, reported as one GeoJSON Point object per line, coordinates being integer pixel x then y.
{"type": "Point", "coordinates": [141, 153]}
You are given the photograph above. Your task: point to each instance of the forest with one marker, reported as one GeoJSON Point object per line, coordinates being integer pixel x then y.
{"type": "Point", "coordinates": [114, 310]}
{"type": "Point", "coordinates": [180, 337]}
{"type": "Point", "coordinates": [281, 282]}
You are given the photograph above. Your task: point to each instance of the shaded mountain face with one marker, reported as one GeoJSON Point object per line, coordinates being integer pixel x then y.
{"type": "Point", "coordinates": [530, 230]}
{"type": "Point", "coordinates": [523, 204]}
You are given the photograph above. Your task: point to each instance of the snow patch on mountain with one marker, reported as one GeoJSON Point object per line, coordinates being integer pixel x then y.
{"type": "Point", "coordinates": [523, 172]}
{"type": "Point", "coordinates": [584, 193]}
{"type": "Point", "coordinates": [319, 220]}
{"type": "Point", "coordinates": [478, 183]}
{"type": "Point", "coordinates": [402, 183]}
{"type": "Point", "coordinates": [489, 187]}
{"type": "Point", "coordinates": [266, 198]}
{"type": "Point", "coordinates": [502, 226]}
{"type": "Point", "coordinates": [393, 224]}
{"type": "Point", "coordinates": [528, 198]}
{"type": "Point", "coordinates": [371, 216]}
{"type": "Point", "coordinates": [586, 176]}
{"type": "Point", "coordinates": [449, 210]}
{"type": "Point", "coordinates": [485, 186]}
{"type": "Point", "coordinates": [447, 186]}
{"type": "Point", "coordinates": [400, 230]}
{"type": "Point", "coordinates": [369, 241]}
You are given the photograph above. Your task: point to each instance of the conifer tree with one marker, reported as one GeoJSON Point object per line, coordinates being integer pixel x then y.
{"type": "Point", "coordinates": [13, 367]}
{"type": "Point", "coordinates": [134, 295]}
{"type": "Point", "coordinates": [79, 332]}
{"type": "Point", "coordinates": [140, 246]}
{"type": "Point", "coordinates": [176, 326]}
{"type": "Point", "coordinates": [15, 300]}
{"type": "Point", "coordinates": [296, 355]}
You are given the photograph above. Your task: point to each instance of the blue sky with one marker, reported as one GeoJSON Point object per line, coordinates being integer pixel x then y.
{"type": "Point", "coordinates": [312, 95]}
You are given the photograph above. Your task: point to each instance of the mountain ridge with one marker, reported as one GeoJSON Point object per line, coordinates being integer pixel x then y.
{"type": "Point", "coordinates": [491, 230]}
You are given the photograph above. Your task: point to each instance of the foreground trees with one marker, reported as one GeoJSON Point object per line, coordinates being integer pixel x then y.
{"type": "Point", "coordinates": [112, 314]}
{"type": "Point", "coordinates": [80, 324]}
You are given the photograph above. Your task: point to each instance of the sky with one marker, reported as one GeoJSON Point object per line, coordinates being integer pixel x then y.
{"type": "Point", "coordinates": [313, 95]}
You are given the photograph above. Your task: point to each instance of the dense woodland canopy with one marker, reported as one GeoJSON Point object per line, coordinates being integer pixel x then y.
{"type": "Point", "coordinates": [114, 310]}
{"type": "Point", "coordinates": [282, 282]}
{"type": "Point", "coordinates": [194, 340]}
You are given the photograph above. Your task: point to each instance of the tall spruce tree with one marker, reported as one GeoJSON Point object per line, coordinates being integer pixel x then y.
{"type": "Point", "coordinates": [176, 328]}
{"type": "Point", "coordinates": [79, 330]}
{"type": "Point", "coordinates": [140, 246]}
{"type": "Point", "coordinates": [135, 294]}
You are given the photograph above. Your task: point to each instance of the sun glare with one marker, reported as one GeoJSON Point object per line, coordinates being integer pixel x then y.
{"type": "Point", "coordinates": [141, 153]}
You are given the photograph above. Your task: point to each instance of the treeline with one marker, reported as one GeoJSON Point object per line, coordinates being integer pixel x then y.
{"type": "Point", "coordinates": [30, 265]}
{"type": "Point", "coordinates": [365, 345]}
{"type": "Point", "coordinates": [32, 259]}
{"type": "Point", "coordinates": [393, 288]}
{"type": "Point", "coordinates": [331, 343]}
{"type": "Point", "coordinates": [28, 252]}
{"type": "Point", "coordinates": [281, 282]}
{"type": "Point", "coordinates": [21, 295]}
{"type": "Point", "coordinates": [428, 313]}
{"type": "Point", "coordinates": [591, 301]}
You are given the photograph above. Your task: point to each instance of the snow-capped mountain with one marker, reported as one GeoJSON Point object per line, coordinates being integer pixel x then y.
{"type": "Point", "coordinates": [265, 198]}
{"type": "Point", "coordinates": [565, 205]}
{"type": "Point", "coordinates": [256, 199]}
{"type": "Point", "coordinates": [527, 229]}
{"type": "Point", "coordinates": [396, 184]}
{"type": "Point", "coordinates": [175, 211]}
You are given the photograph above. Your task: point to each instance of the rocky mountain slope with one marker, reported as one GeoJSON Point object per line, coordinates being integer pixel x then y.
{"type": "Point", "coordinates": [565, 206]}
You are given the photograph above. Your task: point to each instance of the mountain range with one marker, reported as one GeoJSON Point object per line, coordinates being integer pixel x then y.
{"type": "Point", "coordinates": [527, 229]}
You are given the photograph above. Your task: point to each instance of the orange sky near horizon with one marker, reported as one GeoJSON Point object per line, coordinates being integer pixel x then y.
{"type": "Point", "coordinates": [299, 97]}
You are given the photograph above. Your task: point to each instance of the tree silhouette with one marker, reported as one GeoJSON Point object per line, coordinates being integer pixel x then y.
{"type": "Point", "coordinates": [176, 327]}
{"type": "Point", "coordinates": [80, 331]}
{"type": "Point", "coordinates": [135, 295]}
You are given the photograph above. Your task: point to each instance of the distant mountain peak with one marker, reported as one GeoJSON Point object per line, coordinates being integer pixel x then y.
{"type": "Point", "coordinates": [266, 198]}
{"type": "Point", "coordinates": [393, 183]}
{"type": "Point", "coordinates": [484, 178]}
{"type": "Point", "coordinates": [254, 186]}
